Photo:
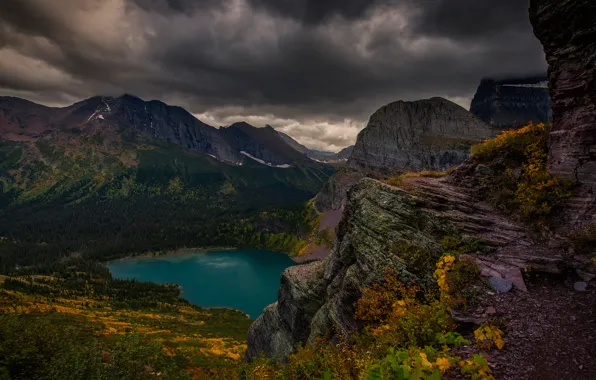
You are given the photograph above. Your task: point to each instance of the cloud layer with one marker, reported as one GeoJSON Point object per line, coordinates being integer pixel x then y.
{"type": "Point", "coordinates": [314, 69]}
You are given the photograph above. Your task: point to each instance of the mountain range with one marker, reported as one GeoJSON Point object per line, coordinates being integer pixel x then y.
{"type": "Point", "coordinates": [512, 102]}
{"type": "Point", "coordinates": [317, 155]}
{"type": "Point", "coordinates": [21, 120]}
{"type": "Point", "coordinates": [148, 171]}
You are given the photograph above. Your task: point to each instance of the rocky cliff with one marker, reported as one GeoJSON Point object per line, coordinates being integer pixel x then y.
{"type": "Point", "coordinates": [318, 298]}
{"type": "Point", "coordinates": [427, 134]}
{"type": "Point", "coordinates": [568, 33]}
{"type": "Point", "coordinates": [333, 194]}
{"type": "Point", "coordinates": [513, 102]}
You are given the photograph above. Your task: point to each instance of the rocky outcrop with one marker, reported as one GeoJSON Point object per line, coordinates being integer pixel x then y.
{"type": "Point", "coordinates": [376, 218]}
{"type": "Point", "coordinates": [333, 194]}
{"type": "Point", "coordinates": [568, 33]}
{"type": "Point", "coordinates": [512, 102]}
{"type": "Point", "coordinates": [430, 134]}
{"type": "Point", "coordinates": [278, 331]}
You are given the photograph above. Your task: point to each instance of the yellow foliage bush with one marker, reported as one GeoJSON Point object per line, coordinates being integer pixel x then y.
{"type": "Point", "coordinates": [536, 192]}
{"type": "Point", "coordinates": [488, 336]}
{"type": "Point", "coordinates": [477, 367]}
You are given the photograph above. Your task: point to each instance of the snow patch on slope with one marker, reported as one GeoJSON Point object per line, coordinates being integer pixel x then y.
{"type": "Point", "coordinates": [284, 166]}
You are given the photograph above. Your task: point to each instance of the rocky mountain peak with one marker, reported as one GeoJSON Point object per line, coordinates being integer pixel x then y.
{"type": "Point", "coordinates": [426, 134]}
{"type": "Point", "coordinates": [512, 102]}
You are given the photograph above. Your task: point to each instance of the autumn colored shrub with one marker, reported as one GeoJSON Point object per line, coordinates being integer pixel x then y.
{"type": "Point", "coordinates": [488, 336]}
{"type": "Point", "coordinates": [425, 173]}
{"type": "Point", "coordinates": [457, 245]}
{"type": "Point", "coordinates": [398, 180]}
{"type": "Point", "coordinates": [457, 278]}
{"type": "Point", "coordinates": [396, 315]}
{"type": "Point", "coordinates": [412, 363]}
{"type": "Point", "coordinates": [512, 144]}
{"type": "Point", "coordinates": [418, 260]}
{"type": "Point", "coordinates": [584, 239]}
{"type": "Point", "coordinates": [477, 367]}
{"type": "Point", "coordinates": [534, 192]}
{"type": "Point", "coordinates": [538, 191]}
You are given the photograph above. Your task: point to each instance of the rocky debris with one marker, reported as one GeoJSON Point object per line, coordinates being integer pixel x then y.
{"type": "Point", "coordinates": [586, 276]}
{"type": "Point", "coordinates": [512, 102]}
{"type": "Point", "coordinates": [550, 332]}
{"type": "Point", "coordinates": [431, 134]}
{"type": "Point", "coordinates": [568, 34]}
{"type": "Point", "coordinates": [580, 286]}
{"type": "Point", "coordinates": [483, 170]}
{"type": "Point", "coordinates": [501, 285]}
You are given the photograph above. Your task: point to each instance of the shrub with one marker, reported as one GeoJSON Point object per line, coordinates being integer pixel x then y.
{"type": "Point", "coordinates": [418, 260]}
{"type": "Point", "coordinates": [512, 144]}
{"type": "Point", "coordinates": [538, 191]}
{"type": "Point", "coordinates": [477, 367]}
{"type": "Point", "coordinates": [488, 336]}
{"type": "Point", "coordinates": [535, 192]}
{"type": "Point", "coordinates": [457, 245]}
{"type": "Point", "coordinates": [394, 314]}
{"type": "Point", "coordinates": [398, 181]}
{"type": "Point", "coordinates": [584, 239]}
{"type": "Point", "coordinates": [456, 280]}
{"type": "Point", "coordinates": [425, 173]}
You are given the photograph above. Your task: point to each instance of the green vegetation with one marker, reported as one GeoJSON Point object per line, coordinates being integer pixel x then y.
{"type": "Point", "coordinates": [521, 183]}
{"type": "Point", "coordinates": [407, 332]}
{"type": "Point", "coordinates": [76, 321]}
{"type": "Point", "coordinates": [405, 335]}
{"type": "Point", "coordinates": [67, 204]}
{"type": "Point", "coordinates": [584, 241]}
{"type": "Point", "coordinates": [418, 260]}
{"type": "Point", "coordinates": [106, 199]}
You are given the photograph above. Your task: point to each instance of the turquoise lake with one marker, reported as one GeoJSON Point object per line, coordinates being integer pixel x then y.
{"type": "Point", "coordinates": [243, 280]}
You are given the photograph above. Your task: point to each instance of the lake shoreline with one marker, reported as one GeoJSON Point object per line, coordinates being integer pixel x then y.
{"type": "Point", "coordinates": [179, 251]}
{"type": "Point", "coordinates": [244, 281]}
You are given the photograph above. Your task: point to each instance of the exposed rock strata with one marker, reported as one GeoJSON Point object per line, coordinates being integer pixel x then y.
{"type": "Point", "coordinates": [512, 103]}
{"type": "Point", "coordinates": [333, 194]}
{"type": "Point", "coordinates": [432, 134]}
{"type": "Point", "coordinates": [376, 217]}
{"type": "Point", "coordinates": [568, 33]}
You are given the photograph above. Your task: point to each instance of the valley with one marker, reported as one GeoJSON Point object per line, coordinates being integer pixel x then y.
{"type": "Point", "coordinates": [448, 242]}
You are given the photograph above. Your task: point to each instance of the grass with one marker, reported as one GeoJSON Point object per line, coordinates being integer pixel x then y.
{"type": "Point", "coordinates": [199, 340]}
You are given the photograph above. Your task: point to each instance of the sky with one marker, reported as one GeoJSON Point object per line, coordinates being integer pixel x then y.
{"type": "Point", "coordinates": [314, 69]}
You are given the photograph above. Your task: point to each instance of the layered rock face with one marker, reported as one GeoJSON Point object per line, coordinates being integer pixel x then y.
{"type": "Point", "coordinates": [430, 134]}
{"type": "Point", "coordinates": [318, 299]}
{"type": "Point", "coordinates": [333, 194]}
{"type": "Point", "coordinates": [512, 103]}
{"type": "Point", "coordinates": [568, 33]}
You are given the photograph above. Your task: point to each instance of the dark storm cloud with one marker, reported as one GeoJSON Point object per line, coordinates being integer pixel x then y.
{"type": "Point", "coordinates": [473, 19]}
{"type": "Point", "coordinates": [315, 69]}
{"type": "Point", "coordinates": [316, 11]}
